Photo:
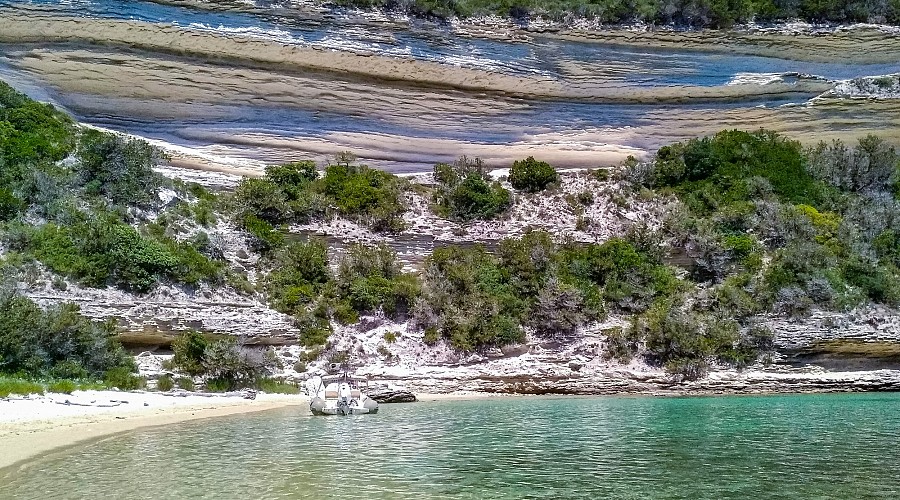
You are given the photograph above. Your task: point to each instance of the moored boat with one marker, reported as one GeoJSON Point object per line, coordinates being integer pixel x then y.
{"type": "Point", "coordinates": [340, 394]}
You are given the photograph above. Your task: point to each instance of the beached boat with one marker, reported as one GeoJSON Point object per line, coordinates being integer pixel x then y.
{"type": "Point", "coordinates": [341, 394]}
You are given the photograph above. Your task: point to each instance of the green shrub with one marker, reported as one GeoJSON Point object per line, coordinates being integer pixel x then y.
{"type": "Point", "coordinates": [586, 198]}
{"type": "Point", "coordinates": [299, 275]}
{"type": "Point", "coordinates": [294, 193]}
{"type": "Point", "coordinates": [218, 385]}
{"type": "Point", "coordinates": [57, 341]}
{"type": "Point", "coordinates": [370, 196]}
{"type": "Point", "coordinates": [20, 387]}
{"type": "Point", "coordinates": [466, 192]}
{"type": "Point", "coordinates": [621, 344]}
{"type": "Point", "coordinates": [30, 132]}
{"type": "Point", "coordinates": [184, 383]}
{"type": "Point", "coordinates": [431, 336]}
{"type": "Point", "coordinates": [293, 176]}
{"type": "Point", "coordinates": [234, 366]}
{"type": "Point", "coordinates": [532, 175]}
{"type": "Point", "coordinates": [712, 171]}
{"type": "Point", "coordinates": [62, 386]}
{"type": "Point", "coordinates": [879, 283]}
{"type": "Point", "coordinates": [601, 174]}
{"type": "Point", "coordinates": [681, 14]}
{"type": "Point", "coordinates": [118, 167]}
{"type": "Point", "coordinates": [310, 355]}
{"type": "Point", "coordinates": [475, 198]}
{"type": "Point", "coordinates": [189, 349]}
{"type": "Point", "coordinates": [263, 237]}
{"type": "Point", "coordinates": [123, 378]}
{"type": "Point", "coordinates": [165, 383]}
{"type": "Point", "coordinates": [869, 167]}
{"type": "Point", "coordinates": [390, 337]}
{"type": "Point", "coordinates": [277, 387]}
{"type": "Point", "coordinates": [459, 280]}
{"type": "Point", "coordinates": [10, 205]}
{"type": "Point", "coordinates": [261, 199]}
{"type": "Point", "coordinates": [101, 250]}
{"type": "Point", "coordinates": [344, 313]}
{"type": "Point", "coordinates": [369, 278]}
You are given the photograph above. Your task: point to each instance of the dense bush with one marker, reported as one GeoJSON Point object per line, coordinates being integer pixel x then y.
{"type": "Point", "coordinates": [189, 349]}
{"type": "Point", "coordinates": [118, 168]}
{"type": "Point", "coordinates": [165, 383]}
{"type": "Point", "coordinates": [870, 166]}
{"type": "Point", "coordinates": [532, 175]}
{"type": "Point", "coordinates": [713, 171]}
{"type": "Point", "coordinates": [367, 195]}
{"type": "Point", "coordinates": [100, 250]}
{"type": "Point", "coordinates": [58, 342]}
{"type": "Point", "coordinates": [533, 282]}
{"type": "Point", "coordinates": [824, 216]}
{"type": "Point", "coordinates": [226, 364]}
{"type": "Point", "coordinates": [466, 299]}
{"type": "Point", "coordinates": [466, 191]}
{"type": "Point", "coordinates": [687, 343]}
{"type": "Point", "coordinates": [370, 278]}
{"type": "Point", "coordinates": [299, 274]}
{"type": "Point", "coordinates": [294, 193]}
{"type": "Point", "coordinates": [30, 133]}
{"type": "Point", "coordinates": [89, 202]}
{"type": "Point", "coordinates": [124, 379]}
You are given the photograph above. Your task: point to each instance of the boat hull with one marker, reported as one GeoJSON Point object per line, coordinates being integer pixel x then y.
{"type": "Point", "coordinates": [319, 406]}
{"type": "Point", "coordinates": [342, 411]}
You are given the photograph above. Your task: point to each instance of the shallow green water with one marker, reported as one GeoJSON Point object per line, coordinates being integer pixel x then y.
{"type": "Point", "coordinates": [828, 446]}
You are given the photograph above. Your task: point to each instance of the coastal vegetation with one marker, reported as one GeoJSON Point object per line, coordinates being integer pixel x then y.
{"type": "Point", "coordinates": [85, 218]}
{"type": "Point", "coordinates": [224, 363]}
{"type": "Point", "coordinates": [295, 193]}
{"type": "Point", "coordinates": [767, 228]}
{"type": "Point", "coordinates": [56, 342]}
{"type": "Point", "coordinates": [683, 13]}
{"type": "Point", "coordinates": [467, 192]}
{"type": "Point", "coordinates": [531, 175]}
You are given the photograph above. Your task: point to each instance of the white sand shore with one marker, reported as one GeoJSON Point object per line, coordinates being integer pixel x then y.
{"type": "Point", "coordinates": [32, 427]}
{"type": "Point", "coordinates": [468, 396]}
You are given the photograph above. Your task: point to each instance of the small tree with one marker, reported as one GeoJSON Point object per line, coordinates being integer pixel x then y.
{"type": "Point", "coordinates": [189, 350]}
{"type": "Point", "coordinates": [532, 175]}
{"type": "Point", "coordinates": [233, 366]}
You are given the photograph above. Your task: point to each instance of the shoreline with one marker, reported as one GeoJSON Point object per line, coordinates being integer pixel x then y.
{"type": "Point", "coordinates": [34, 435]}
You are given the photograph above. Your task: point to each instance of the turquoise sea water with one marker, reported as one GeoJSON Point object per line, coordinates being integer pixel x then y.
{"type": "Point", "coordinates": [797, 447]}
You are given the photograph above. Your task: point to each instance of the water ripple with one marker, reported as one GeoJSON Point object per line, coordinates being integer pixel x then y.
{"type": "Point", "coordinates": [736, 447]}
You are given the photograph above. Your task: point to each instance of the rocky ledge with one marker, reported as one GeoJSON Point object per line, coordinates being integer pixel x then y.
{"type": "Point", "coordinates": [385, 395]}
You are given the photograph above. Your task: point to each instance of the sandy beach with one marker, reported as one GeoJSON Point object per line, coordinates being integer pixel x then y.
{"type": "Point", "coordinates": [34, 426]}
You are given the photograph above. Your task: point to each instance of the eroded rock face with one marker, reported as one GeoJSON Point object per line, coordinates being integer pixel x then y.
{"type": "Point", "coordinates": [613, 209]}
{"type": "Point", "coordinates": [578, 365]}
{"type": "Point", "coordinates": [393, 353]}
{"type": "Point", "coordinates": [169, 310]}
{"type": "Point", "coordinates": [867, 324]}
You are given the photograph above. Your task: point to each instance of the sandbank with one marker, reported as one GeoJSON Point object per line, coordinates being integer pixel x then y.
{"type": "Point", "coordinates": [33, 427]}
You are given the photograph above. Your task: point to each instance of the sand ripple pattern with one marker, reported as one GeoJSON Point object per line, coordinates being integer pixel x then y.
{"type": "Point", "coordinates": [247, 86]}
